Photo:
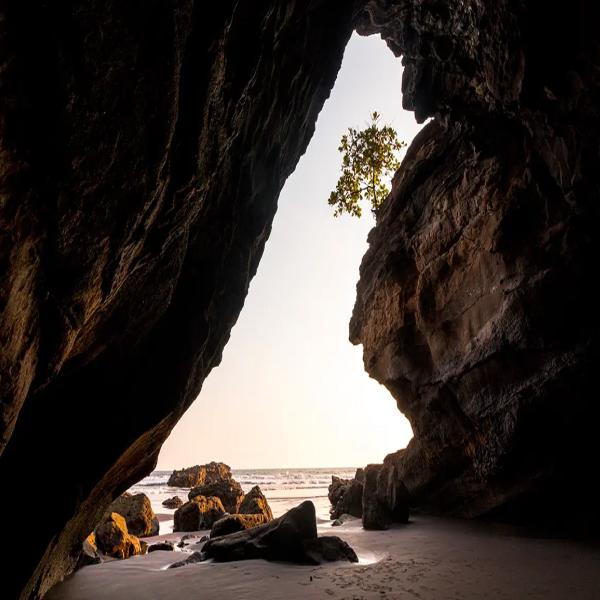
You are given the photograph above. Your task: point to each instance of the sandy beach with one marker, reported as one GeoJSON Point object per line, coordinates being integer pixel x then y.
{"type": "Point", "coordinates": [428, 559]}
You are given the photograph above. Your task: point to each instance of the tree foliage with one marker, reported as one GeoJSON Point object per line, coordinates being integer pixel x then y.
{"type": "Point", "coordinates": [369, 160]}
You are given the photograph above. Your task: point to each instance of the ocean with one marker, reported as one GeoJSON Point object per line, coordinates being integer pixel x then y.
{"type": "Point", "coordinates": [283, 488]}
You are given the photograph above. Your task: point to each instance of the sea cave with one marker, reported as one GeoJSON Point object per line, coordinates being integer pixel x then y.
{"type": "Point", "coordinates": [144, 146]}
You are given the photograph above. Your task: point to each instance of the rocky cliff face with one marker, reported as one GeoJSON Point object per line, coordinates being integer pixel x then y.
{"type": "Point", "coordinates": [476, 304]}
{"type": "Point", "coordinates": [143, 147]}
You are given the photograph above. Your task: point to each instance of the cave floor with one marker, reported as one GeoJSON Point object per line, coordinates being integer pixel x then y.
{"type": "Point", "coordinates": [430, 558]}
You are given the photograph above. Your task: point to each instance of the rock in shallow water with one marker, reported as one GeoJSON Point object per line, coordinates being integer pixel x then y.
{"type": "Point", "coordinates": [194, 557]}
{"type": "Point", "coordinates": [199, 474]}
{"type": "Point", "coordinates": [290, 538]}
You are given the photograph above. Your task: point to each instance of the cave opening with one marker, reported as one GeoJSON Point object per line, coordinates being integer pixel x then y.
{"type": "Point", "coordinates": [144, 158]}
{"type": "Point", "coordinates": [291, 388]}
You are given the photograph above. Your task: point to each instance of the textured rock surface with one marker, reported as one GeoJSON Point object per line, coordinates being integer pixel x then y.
{"type": "Point", "coordinates": [199, 474]}
{"type": "Point", "coordinates": [290, 538]}
{"type": "Point", "coordinates": [174, 502]}
{"type": "Point", "coordinates": [137, 511]}
{"type": "Point", "coordinates": [199, 513]}
{"type": "Point", "coordinates": [162, 546]}
{"type": "Point", "coordinates": [476, 303]}
{"type": "Point", "coordinates": [375, 513]}
{"type": "Point", "coordinates": [255, 503]}
{"type": "Point", "coordinates": [143, 147]}
{"type": "Point", "coordinates": [229, 491]}
{"type": "Point", "coordinates": [345, 495]}
{"type": "Point", "coordinates": [232, 523]}
{"type": "Point", "coordinates": [113, 539]}
{"type": "Point", "coordinates": [329, 548]}
{"type": "Point", "coordinates": [89, 552]}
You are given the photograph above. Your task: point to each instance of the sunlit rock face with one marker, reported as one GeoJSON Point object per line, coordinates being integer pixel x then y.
{"type": "Point", "coordinates": [143, 147]}
{"type": "Point", "coordinates": [476, 305]}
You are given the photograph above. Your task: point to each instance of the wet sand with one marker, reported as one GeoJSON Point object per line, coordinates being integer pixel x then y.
{"type": "Point", "coordinates": [430, 559]}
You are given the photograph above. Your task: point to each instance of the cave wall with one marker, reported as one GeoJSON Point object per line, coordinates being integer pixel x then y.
{"type": "Point", "coordinates": [144, 145]}
{"type": "Point", "coordinates": [476, 305]}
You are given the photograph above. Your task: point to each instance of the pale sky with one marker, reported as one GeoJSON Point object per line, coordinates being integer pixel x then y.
{"type": "Point", "coordinates": [291, 390]}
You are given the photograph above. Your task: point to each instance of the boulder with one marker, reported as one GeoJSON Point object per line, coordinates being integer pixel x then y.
{"type": "Point", "coordinates": [343, 519]}
{"type": "Point", "coordinates": [184, 540]}
{"type": "Point", "coordinates": [174, 502]}
{"type": "Point", "coordinates": [229, 491]}
{"type": "Point", "coordinates": [194, 557]}
{"type": "Point", "coordinates": [255, 503]}
{"type": "Point", "coordinates": [375, 513]}
{"type": "Point", "coordinates": [290, 538]}
{"type": "Point", "coordinates": [336, 489]}
{"type": "Point", "coordinates": [200, 474]}
{"type": "Point", "coordinates": [165, 546]}
{"type": "Point", "coordinates": [392, 492]}
{"type": "Point", "coordinates": [89, 552]}
{"type": "Point", "coordinates": [199, 513]}
{"type": "Point", "coordinates": [329, 548]}
{"type": "Point", "coordinates": [113, 538]}
{"type": "Point", "coordinates": [347, 494]}
{"type": "Point", "coordinates": [137, 512]}
{"type": "Point", "coordinates": [239, 522]}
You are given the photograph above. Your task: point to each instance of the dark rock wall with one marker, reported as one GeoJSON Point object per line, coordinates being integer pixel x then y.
{"type": "Point", "coordinates": [477, 302]}
{"type": "Point", "coordinates": [143, 147]}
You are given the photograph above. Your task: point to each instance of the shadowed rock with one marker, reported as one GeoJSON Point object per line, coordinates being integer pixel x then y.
{"type": "Point", "coordinates": [239, 522]}
{"type": "Point", "coordinates": [290, 538]}
{"type": "Point", "coordinates": [376, 514]}
{"type": "Point", "coordinates": [164, 546]}
{"type": "Point", "coordinates": [329, 548]}
{"type": "Point", "coordinates": [336, 489]}
{"type": "Point", "coordinates": [229, 491]}
{"type": "Point", "coordinates": [143, 152]}
{"type": "Point", "coordinates": [345, 495]}
{"type": "Point", "coordinates": [174, 502]}
{"type": "Point", "coordinates": [476, 306]}
{"type": "Point", "coordinates": [89, 552]}
{"type": "Point", "coordinates": [345, 518]}
{"type": "Point", "coordinates": [194, 557]}
{"type": "Point", "coordinates": [144, 146]}
{"type": "Point", "coordinates": [199, 513]}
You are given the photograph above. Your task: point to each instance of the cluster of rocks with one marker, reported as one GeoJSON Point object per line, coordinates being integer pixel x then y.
{"type": "Point", "coordinates": [290, 538]}
{"type": "Point", "coordinates": [199, 475]}
{"type": "Point", "coordinates": [374, 495]}
{"type": "Point", "coordinates": [218, 503]}
{"type": "Point", "coordinates": [125, 521]}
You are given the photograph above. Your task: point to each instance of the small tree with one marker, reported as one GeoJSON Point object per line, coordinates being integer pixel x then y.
{"type": "Point", "coordinates": [369, 160]}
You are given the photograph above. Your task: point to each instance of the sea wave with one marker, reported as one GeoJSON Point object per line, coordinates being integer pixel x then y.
{"type": "Point", "coordinates": [268, 479]}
